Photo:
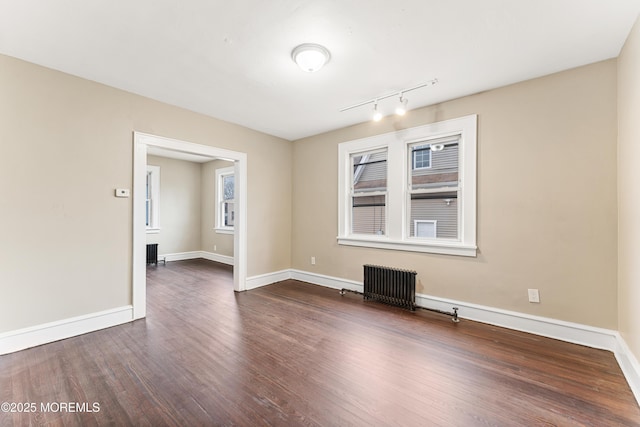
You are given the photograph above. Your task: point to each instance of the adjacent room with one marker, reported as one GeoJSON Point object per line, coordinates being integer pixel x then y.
{"type": "Point", "coordinates": [320, 213]}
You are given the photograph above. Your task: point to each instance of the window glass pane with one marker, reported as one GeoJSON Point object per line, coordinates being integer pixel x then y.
{"type": "Point", "coordinates": [228, 187]}
{"type": "Point", "coordinates": [369, 175]}
{"type": "Point", "coordinates": [421, 156]}
{"type": "Point", "coordinates": [229, 214]}
{"type": "Point", "coordinates": [438, 208]}
{"type": "Point", "coordinates": [148, 200]}
{"type": "Point", "coordinates": [370, 171]}
{"type": "Point", "coordinates": [148, 185]}
{"type": "Point", "coordinates": [368, 215]}
{"type": "Point", "coordinates": [435, 164]}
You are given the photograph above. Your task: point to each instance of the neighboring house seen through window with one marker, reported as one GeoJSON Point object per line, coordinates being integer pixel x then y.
{"type": "Point", "coordinates": [421, 156]}
{"type": "Point", "coordinates": [411, 190]}
{"type": "Point", "coordinates": [369, 192]}
{"type": "Point", "coordinates": [434, 189]}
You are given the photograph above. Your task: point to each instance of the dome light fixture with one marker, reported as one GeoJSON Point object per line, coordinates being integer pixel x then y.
{"type": "Point", "coordinates": [310, 57]}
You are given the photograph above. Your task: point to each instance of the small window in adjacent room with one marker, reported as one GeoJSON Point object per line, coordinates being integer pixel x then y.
{"type": "Point", "coordinates": [152, 201]}
{"type": "Point", "coordinates": [225, 197]}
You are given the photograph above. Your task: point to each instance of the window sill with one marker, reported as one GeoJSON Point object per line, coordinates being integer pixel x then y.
{"type": "Point", "coordinates": [224, 230]}
{"type": "Point", "coordinates": [444, 248]}
{"type": "Point", "coordinates": [153, 230]}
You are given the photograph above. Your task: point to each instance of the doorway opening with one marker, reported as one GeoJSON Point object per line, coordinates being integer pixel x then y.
{"type": "Point", "coordinates": [143, 143]}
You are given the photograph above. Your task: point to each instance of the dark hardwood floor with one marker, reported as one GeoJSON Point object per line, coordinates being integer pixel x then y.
{"type": "Point", "coordinates": [293, 354]}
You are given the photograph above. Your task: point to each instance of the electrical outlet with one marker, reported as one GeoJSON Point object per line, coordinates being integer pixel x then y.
{"type": "Point", "coordinates": [215, 248]}
{"type": "Point", "coordinates": [313, 260]}
{"type": "Point", "coordinates": [534, 295]}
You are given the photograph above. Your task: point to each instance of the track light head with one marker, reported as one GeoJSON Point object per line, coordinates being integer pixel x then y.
{"type": "Point", "coordinates": [377, 115]}
{"type": "Point", "coordinates": [401, 108]}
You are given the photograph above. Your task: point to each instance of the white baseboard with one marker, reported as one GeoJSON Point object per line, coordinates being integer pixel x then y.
{"type": "Point", "coordinates": [179, 256]}
{"type": "Point", "coordinates": [267, 279]}
{"type": "Point", "coordinates": [552, 328]}
{"type": "Point", "coordinates": [182, 256]}
{"type": "Point", "coordinates": [629, 365]}
{"type": "Point", "coordinates": [304, 276]}
{"type": "Point", "coordinates": [54, 331]}
{"type": "Point", "coordinates": [212, 256]}
{"type": "Point", "coordinates": [327, 281]}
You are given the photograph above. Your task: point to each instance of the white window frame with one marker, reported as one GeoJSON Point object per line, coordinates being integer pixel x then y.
{"type": "Point", "coordinates": [219, 220]}
{"type": "Point", "coordinates": [154, 201]}
{"type": "Point", "coordinates": [398, 146]}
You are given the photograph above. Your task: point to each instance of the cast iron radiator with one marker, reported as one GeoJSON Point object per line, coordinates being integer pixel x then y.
{"type": "Point", "coordinates": [390, 286]}
{"type": "Point", "coordinates": [152, 253]}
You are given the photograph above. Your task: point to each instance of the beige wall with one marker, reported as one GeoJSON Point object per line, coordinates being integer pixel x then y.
{"type": "Point", "coordinates": [180, 206]}
{"type": "Point", "coordinates": [547, 205]}
{"type": "Point", "coordinates": [65, 145]}
{"type": "Point", "coordinates": [629, 191]}
{"type": "Point", "coordinates": [546, 200]}
{"type": "Point", "coordinates": [217, 243]}
{"type": "Point", "coordinates": [187, 207]}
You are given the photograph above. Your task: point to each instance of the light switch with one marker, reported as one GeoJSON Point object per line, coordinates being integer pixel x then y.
{"type": "Point", "coordinates": [122, 192]}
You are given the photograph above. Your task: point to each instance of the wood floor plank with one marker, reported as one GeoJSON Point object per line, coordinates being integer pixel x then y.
{"type": "Point", "coordinates": [295, 354]}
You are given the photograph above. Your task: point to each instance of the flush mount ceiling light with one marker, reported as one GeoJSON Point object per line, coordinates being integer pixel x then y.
{"type": "Point", "coordinates": [310, 57]}
{"type": "Point", "coordinates": [401, 107]}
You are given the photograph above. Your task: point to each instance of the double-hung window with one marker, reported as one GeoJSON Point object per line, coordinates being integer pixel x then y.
{"type": "Point", "coordinates": [225, 198]}
{"type": "Point", "coordinates": [412, 190]}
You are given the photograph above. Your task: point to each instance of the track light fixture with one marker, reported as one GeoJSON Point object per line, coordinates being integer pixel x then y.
{"type": "Point", "coordinates": [401, 108]}
{"type": "Point", "coordinates": [377, 115]}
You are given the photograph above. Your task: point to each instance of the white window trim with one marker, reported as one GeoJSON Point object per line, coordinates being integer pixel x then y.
{"type": "Point", "coordinates": [155, 197]}
{"type": "Point", "coordinates": [397, 143]}
{"type": "Point", "coordinates": [220, 174]}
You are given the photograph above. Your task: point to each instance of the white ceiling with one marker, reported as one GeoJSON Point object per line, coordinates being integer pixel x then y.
{"type": "Point", "coordinates": [231, 59]}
